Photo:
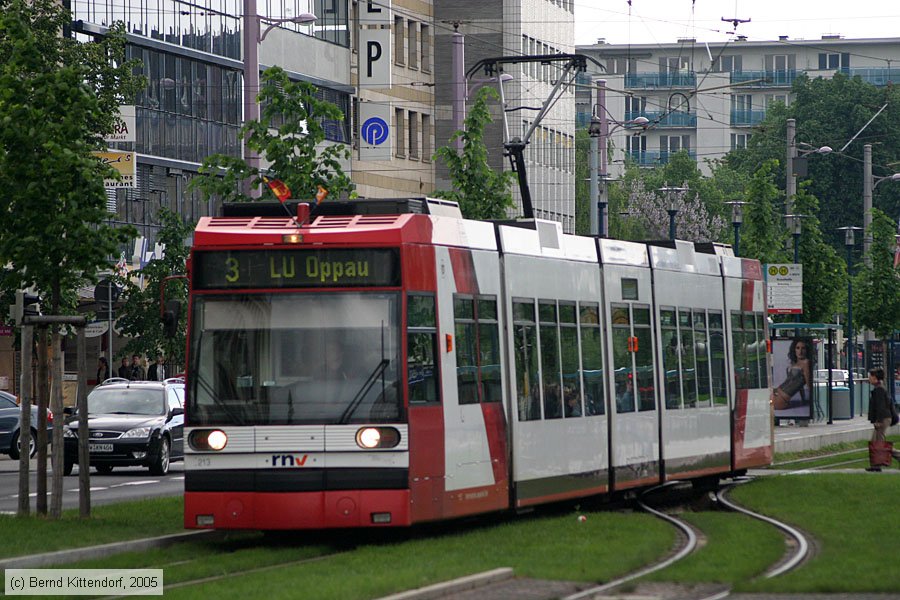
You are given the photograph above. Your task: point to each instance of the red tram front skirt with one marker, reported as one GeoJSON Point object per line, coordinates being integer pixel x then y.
{"type": "Point", "coordinates": [296, 510]}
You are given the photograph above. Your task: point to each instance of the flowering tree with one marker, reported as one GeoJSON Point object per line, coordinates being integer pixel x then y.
{"type": "Point", "coordinates": [648, 212]}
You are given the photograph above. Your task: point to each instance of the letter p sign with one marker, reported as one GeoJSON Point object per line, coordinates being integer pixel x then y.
{"type": "Point", "coordinates": [375, 64]}
{"type": "Point", "coordinates": [373, 53]}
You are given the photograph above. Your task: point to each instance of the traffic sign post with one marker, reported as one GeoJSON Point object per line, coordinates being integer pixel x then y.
{"type": "Point", "coordinates": [106, 293]}
{"type": "Point", "coordinates": [784, 289]}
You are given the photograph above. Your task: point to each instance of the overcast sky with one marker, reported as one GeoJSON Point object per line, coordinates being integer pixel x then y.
{"type": "Point", "coordinates": [664, 21]}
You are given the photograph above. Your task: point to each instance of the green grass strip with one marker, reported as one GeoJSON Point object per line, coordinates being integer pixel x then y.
{"type": "Point", "coordinates": [852, 518]}
{"type": "Point", "coordinates": [108, 523]}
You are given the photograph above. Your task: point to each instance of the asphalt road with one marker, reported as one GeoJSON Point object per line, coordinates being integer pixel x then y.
{"type": "Point", "coordinates": [124, 483]}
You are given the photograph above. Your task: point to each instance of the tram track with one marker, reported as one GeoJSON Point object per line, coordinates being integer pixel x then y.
{"type": "Point", "coordinates": [689, 541]}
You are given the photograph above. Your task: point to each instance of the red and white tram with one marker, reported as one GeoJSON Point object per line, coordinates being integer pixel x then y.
{"type": "Point", "coordinates": [403, 366]}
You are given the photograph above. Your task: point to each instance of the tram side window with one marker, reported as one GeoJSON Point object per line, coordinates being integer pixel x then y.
{"type": "Point", "coordinates": [701, 345]}
{"type": "Point", "coordinates": [751, 348]}
{"type": "Point", "coordinates": [528, 393]}
{"type": "Point", "coordinates": [466, 349]}
{"type": "Point", "coordinates": [643, 359]}
{"type": "Point", "coordinates": [571, 375]}
{"type": "Point", "coordinates": [761, 355]}
{"type": "Point", "coordinates": [592, 360]}
{"type": "Point", "coordinates": [421, 347]}
{"type": "Point", "coordinates": [477, 349]}
{"type": "Point", "coordinates": [488, 349]}
{"type": "Point", "coordinates": [550, 365]}
{"type": "Point", "coordinates": [670, 351]}
{"type": "Point", "coordinates": [717, 358]}
{"type": "Point", "coordinates": [739, 352]}
{"type": "Point", "coordinates": [688, 363]}
{"type": "Point", "coordinates": [624, 375]}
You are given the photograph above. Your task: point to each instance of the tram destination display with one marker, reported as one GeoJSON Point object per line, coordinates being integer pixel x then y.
{"type": "Point", "coordinates": [344, 267]}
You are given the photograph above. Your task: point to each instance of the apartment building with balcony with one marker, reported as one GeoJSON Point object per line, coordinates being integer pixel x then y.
{"type": "Point", "coordinates": [706, 98]}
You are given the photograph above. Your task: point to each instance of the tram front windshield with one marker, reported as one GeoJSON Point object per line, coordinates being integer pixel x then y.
{"type": "Point", "coordinates": [294, 359]}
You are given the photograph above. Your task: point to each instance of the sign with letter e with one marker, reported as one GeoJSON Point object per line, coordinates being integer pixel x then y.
{"type": "Point", "coordinates": [123, 162]}
{"type": "Point", "coordinates": [375, 131]}
{"type": "Point", "coordinates": [375, 12]}
{"type": "Point", "coordinates": [375, 58]}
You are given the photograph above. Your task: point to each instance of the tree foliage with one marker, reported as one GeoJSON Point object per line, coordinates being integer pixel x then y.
{"type": "Point", "coordinates": [482, 192]}
{"type": "Point", "coordinates": [649, 210]}
{"type": "Point", "coordinates": [824, 271]}
{"type": "Point", "coordinates": [57, 99]}
{"type": "Point", "coordinates": [140, 313]}
{"type": "Point", "coordinates": [830, 112]}
{"type": "Point", "coordinates": [763, 234]}
{"type": "Point", "coordinates": [876, 287]}
{"type": "Point", "coordinates": [290, 137]}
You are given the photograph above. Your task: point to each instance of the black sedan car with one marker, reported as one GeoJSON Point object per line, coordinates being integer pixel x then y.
{"type": "Point", "coordinates": [10, 414]}
{"type": "Point", "coordinates": [131, 423]}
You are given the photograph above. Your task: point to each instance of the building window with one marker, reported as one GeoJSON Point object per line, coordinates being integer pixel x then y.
{"type": "Point", "coordinates": [773, 98]}
{"type": "Point", "coordinates": [412, 45]}
{"type": "Point", "coordinates": [399, 129]}
{"type": "Point", "coordinates": [425, 35]}
{"type": "Point", "coordinates": [739, 140]}
{"type": "Point", "coordinates": [674, 143]}
{"type": "Point", "coordinates": [413, 135]}
{"type": "Point", "coordinates": [729, 64]}
{"type": "Point", "coordinates": [399, 34]}
{"type": "Point", "coordinates": [834, 60]}
{"type": "Point", "coordinates": [426, 138]}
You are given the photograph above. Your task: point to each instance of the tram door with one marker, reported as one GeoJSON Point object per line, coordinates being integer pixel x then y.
{"type": "Point", "coordinates": [634, 409]}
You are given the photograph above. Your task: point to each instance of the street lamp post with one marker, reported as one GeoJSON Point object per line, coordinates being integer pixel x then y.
{"type": "Point", "coordinates": [671, 208]}
{"type": "Point", "coordinates": [599, 132]}
{"type": "Point", "coordinates": [849, 242]}
{"type": "Point", "coordinates": [251, 40]}
{"type": "Point", "coordinates": [737, 218]}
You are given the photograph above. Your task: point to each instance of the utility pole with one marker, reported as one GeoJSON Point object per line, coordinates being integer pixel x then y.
{"type": "Point", "coordinates": [459, 83]}
{"type": "Point", "coordinates": [790, 185]}
{"type": "Point", "coordinates": [867, 199]}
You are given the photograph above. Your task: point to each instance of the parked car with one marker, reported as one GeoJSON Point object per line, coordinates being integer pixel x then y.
{"type": "Point", "coordinates": [131, 423]}
{"type": "Point", "coordinates": [10, 415]}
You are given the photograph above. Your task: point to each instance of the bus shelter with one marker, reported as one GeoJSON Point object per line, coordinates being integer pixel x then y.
{"type": "Point", "coordinates": [806, 385]}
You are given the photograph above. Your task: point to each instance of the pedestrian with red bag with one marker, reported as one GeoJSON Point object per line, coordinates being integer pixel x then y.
{"type": "Point", "coordinates": [882, 414]}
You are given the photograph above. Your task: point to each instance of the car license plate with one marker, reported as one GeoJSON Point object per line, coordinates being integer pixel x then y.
{"type": "Point", "coordinates": [100, 447]}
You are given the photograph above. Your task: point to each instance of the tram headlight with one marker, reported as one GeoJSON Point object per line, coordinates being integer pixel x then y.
{"type": "Point", "coordinates": [370, 438]}
{"type": "Point", "coordinates": [208, 439]}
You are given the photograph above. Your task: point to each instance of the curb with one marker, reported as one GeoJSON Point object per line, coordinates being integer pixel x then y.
{"type": "Point", "coordinates": [77, 554]}
{"type": "Point", "coordinates": [446, 588]}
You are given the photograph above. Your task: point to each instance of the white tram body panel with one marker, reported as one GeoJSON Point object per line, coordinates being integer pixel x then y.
{"type": "Point", "coordinates": [753, 414]}
{"type": "Point", "coordinates": [632, 387]}
{"type": "Point", "coordinates": [469, 266]}
{"type": "Point", "coordinates": [688, 318]}
{"type": "Point", "coordinates": [553, 291]}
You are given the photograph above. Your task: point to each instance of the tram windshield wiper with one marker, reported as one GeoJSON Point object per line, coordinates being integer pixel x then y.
{"type": "Point", "coordinates": [366, 386]}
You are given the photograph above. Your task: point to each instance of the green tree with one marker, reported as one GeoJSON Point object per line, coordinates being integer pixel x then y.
{"type": "Point", "coordinates": [583, 143]}
{"type": "Point", "coordinates": [763, 233]}
{"type": "Point", "coordinates": [289, 136]}
{"type": "Point", "coordinates": [57, 99]}
{"type": "Point", "coordinates": [830, 112]}
{"type": "Point", "coordinates": [140, 313]}
{"type": "Point", "coordinates": [482, 193]}
{"type": "Point", "coordinates": [876, 287]}
{"type": "Point", "coordinates": [824, 272]}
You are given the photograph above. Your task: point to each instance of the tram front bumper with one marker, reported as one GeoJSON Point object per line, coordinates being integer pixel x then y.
{"type": "Point", "coordinates": [296, 510]}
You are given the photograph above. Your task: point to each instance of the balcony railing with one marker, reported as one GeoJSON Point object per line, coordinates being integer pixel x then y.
{"type": "Point", "coordinates": [777, 78]}
{"type": "Point", "coordinates": [746, 118]}
{"type": "Point", "coordinates": [660, 80]}
{"type": "Point", "coordinates": [660, 119]}
{"type": "Point", "coordinates": [653, 158]}
{"type": "Point", "coordinates": [876, 76]}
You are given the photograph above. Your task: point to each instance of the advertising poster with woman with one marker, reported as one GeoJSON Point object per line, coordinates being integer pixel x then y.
{"type": "Point", "coordinates": [793, 365]}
